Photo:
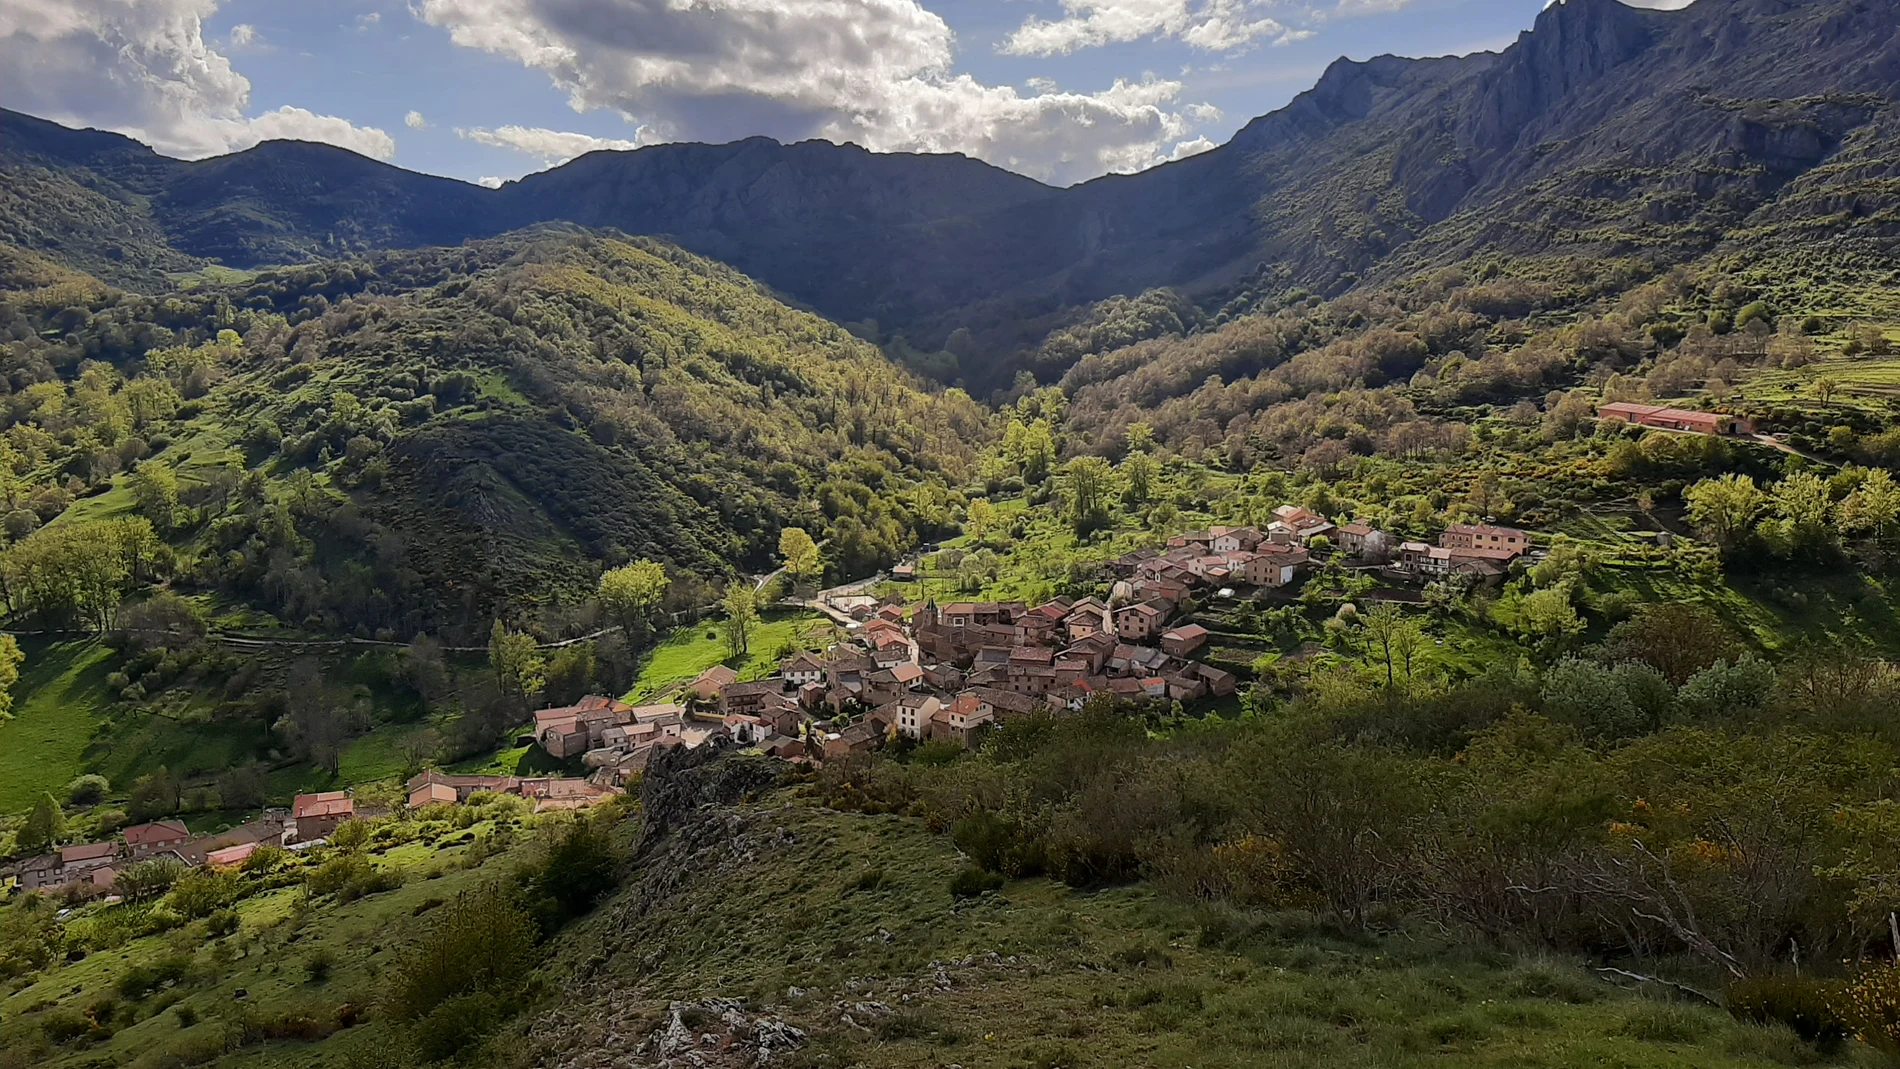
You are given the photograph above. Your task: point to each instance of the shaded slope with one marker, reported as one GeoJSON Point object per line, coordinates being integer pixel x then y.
{"type": "Point", "coordinates": [503, 419]}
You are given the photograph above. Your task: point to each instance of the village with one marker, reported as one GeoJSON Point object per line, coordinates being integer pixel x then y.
{"type": "Point", "coordinates": [927, 671]}
{"type": "Point", "coordinates": [910, 673]}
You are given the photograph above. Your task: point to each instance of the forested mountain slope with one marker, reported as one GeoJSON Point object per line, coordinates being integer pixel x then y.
{"type": "Point", "coordinates": [1604, 133]}
{"type": "Point", "coordinates": [430, 439]}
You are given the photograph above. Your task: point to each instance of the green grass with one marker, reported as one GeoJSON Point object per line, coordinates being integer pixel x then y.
{"type": "Point", "coordinates": [857, 908]}
{"type": "Point", "coordinates": [1869, 384]}
{"type": "Point", "coordinates": [688, 651]}
{"type": "Point", "coordinates": [58, 705]}
{"type": "Point", "coordinates": [266, 962]}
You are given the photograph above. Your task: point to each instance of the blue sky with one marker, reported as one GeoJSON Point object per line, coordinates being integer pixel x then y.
{"type": "Point", "coordinates": [1062, 90]}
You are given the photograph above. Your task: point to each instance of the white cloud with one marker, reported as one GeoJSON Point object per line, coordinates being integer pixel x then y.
{"type": "Point", "coordinates": [489, 182]}
{"type": "Point", "coordinates": [296, 124]}
{"type": "Point", "coordinates": [1191, 148]}
{"type": "Point", "coordinates": [873, 72]}
{"type": "Point", "coordinates": [142, 68]}
{"type": "Point", "coordinates": [552, 146]}
{"type": "Point", "coordinates": [1212, 25]}
{"type": "Point", "coordinates": [1203, 112]}
{"type": "Point", "coordinates": [364, 22]}
{"type": "Point", "coordinates": [415, 121]}
{"type": "Point", "coordinates": [244, 37]}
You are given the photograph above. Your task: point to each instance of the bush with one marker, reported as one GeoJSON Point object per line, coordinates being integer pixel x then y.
{"type": "Point", "coordinates": [202, 892]}
{"type": "Point", "coordinates": [973, 881]}
{"type": "Point", "coordinates": [457, 1024]}
{"type": "Point", "coordinates": [64, 1026]}
{"type": "Point", "coordinates": [141, 980]}
{"type": "Point", "coordinates": [318, 965]}
{"type": "Point", "coordinates": [87, 789]}
{"type": "Point", "coordinates": [577, 870]}
{"type": "Point", "coordinates": [1870, 1004]}
{"type": "Point", "coordinates": [223, 922]}
{"type": "Point", "coordinates": [480, 943]}
{"type": "Point", "coordinates": [1811, 1008]}
{"type": "Point", "coordinates": [186, 1015]}
{"type": "Point", "coordinates": [350, 877]}
{"type": "Point", "coordinates": [148, 879]}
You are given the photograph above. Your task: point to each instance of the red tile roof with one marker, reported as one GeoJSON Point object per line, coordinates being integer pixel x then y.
{"type": "Point", "coordinates": [161, 831]}
{"type": "Point", "coordinates": [324, 804]}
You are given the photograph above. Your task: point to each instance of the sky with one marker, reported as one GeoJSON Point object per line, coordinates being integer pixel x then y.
{"type": "Point", "coordinates": [490, 90]}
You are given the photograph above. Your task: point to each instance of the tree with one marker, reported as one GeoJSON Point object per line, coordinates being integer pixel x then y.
{"type": "Point", "coordinates": [1090, 482]}
{"type": "Point", "coordinates": [314, 720]}
{"type": "Point", "coordinates": [155, 488]}
{"type": "Point", "coordinates": [163, 620]}
{"type": "Point", "coordinates": [43, 827]}
{"type": "Point", "coordinates": [1730, 689]}
{"type": "Point", "coordinates": [630, 592]}
{"type": "Point", "coordinates": [425, 670]}
{"type": "Point", "coordinates": [1139, 471]}
{"type": "Point", "coordinates": [1548, 614]}
{"type": "Point", "coordinates": [1141, 436]}
{"type": "Point", "coordinates": [1408, 642]}
{"type": "Point", "coordinates": [570, 673]}
{"type": "Point", "coordinates": [1382, 624]}
{"type": "Point", "coordinates": [517, 662]}
{"type": "Point", "coordinates": [154, 795]}
{"type": "Point", "coordinates": [1872, 507]}
{"type": "Point", "coordinates": [1676, 639]}
{"type": "Point", "coordinates": [979, 518]}
{"type": "Point", "coordinates": [1825, 387]}
{"type": "Point", "coordinates": [148, 879]}
{"type": "Point", "coordinates": [1486, 497]}
{"type": "Point", "coordinates": [1031, 447]}
{"type": "Point", "coordinates": [1725, 507]}
{"type": "Point", "coordinates": [10, 661]}
{"type": "Point", "coordinates": [800, 554]}
{"type": "Point", "coordinates": [1802, 504]}
{"type": "Point", "coordinates": [742, 616]}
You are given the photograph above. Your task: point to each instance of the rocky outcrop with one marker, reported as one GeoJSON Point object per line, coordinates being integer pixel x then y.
{"type": "Point", "coordinates": [718, 1033]}
{"type": "Point", "coordinates": [697, 824]}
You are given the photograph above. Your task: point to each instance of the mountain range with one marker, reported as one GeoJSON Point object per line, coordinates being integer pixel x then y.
{"type": "Point", "coordinates": [1604, 134]}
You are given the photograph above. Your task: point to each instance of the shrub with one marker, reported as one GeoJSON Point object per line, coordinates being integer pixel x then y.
{"type": "Point", "coordinates": [457, 1024]}
{"type": "Point", "coordinates": [577, 870]}
{"type": "Point", "coordinates": [973, 881]}
{"type": "Point", "coordinates": [202, 892]}
{"type": "Point", "coordinates": [223, 922]}
{"type": "Point", "coordinates": [185, 1014]}
{"type": "Point", "coordinates": [87, 789]}
{"type": "Point", "coordinates": [350, 877]}
{"type": "Point", "coordinates": [141, 980]}
{"type": "Point", "coordinates": [318, 965]}
{"type": "Point", "coordinates": [480, 943]}
{"type": "Point", "coordinates": [1870, 1003]}
{"type": "Point", "coordinates": [1810, 1007]}
{"type": "Point", "coordinates": [148, 879]}
{"type": "Point", "coordinates": [64, 1026]}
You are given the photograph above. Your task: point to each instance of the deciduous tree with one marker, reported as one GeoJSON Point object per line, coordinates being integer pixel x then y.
{"type": "Point", "coordinates": [630, 592]}
{"type": "Point", "coordinates": [799, 553]}
{"type": "Point", "coordinates": [1089, 482]}
{"type": "Point", "coordinates": [1725, 507]}
{"type": "Point", "coordinates": [43, 827]}
{"type": "Point", "coordinates": [517, 662]}
{"type": "Point", "coordinates": [742, 617]}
